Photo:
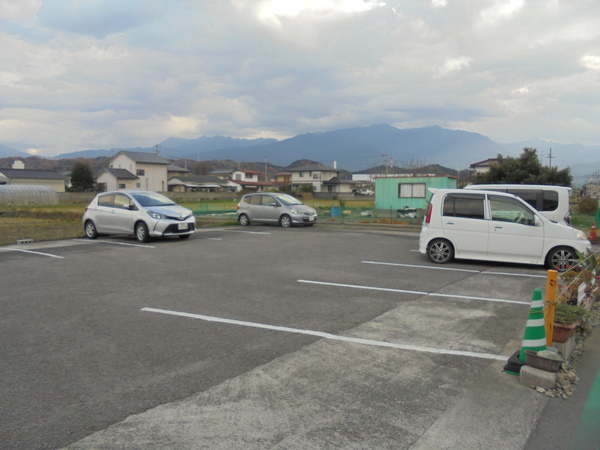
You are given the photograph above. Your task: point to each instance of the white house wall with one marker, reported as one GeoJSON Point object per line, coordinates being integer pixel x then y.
{"type": "Point", "coordinates": [112, 184]}
{"type": "Point", "coordinates": [154, 176]}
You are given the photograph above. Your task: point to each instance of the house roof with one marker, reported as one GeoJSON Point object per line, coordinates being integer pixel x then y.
{"type": "Point", "coordinates": [336, 180]}
{"type": "Point", "coordinates": [200, 179]}
{"type": "Point", "coordinates": [143, 157]}
{"type": "Point", "coordinates": [121, 174]}
{"type": "Point", "coordinates": [487, 162]}
{"type": "Point", "coordinates": [230, 171]}
{"type": "Point", "coordinates": [176, 168]}
{"type": "Point", "coordinates": [318, 167]}
{"type": "Point", "coordinates": [32, 174]}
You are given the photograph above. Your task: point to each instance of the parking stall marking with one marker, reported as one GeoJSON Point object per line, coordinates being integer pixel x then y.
{"type": "Point", "coordinates": [247, 232]}
{"type": "Point", "coordinates": [402, 291]}
{"type": "Point", "coordinates": [34, 252]}
{"type": "Point", "coordinates": [483, 272]}
{"type": "Point", "coordinates": [127, 244]}
{"type": "Point", "coordinates": [335, 337]}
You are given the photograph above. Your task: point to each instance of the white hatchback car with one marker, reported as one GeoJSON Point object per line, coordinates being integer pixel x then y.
{"type": "Point", "coordinates": [495, 226]}
{"type": "Point", "coordinates": [143, 214]}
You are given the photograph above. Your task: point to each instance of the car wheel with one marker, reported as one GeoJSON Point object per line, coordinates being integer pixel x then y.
{"type": "Point", "coordinates": [440, 251]}
{"type": "Point", "coordinates": [90, 230]}
{"type": "Point", "coordinates": [285, 221]}
{"type": "Point", "coordinates": [562, 259]}
{"type": "Point", "coordinates": [243, 220]}
{"type": "Point", "coordinates": [141, 232]}
{"type": "Point", "coordinates": [184, 236]}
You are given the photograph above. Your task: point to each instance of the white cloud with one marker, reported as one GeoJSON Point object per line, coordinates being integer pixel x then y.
{"type": "Point", "coordinates": [91, 74]}
{"type": "Point", "coordinates": [19, 10]}
{"type": "Point", "coordinates": [591, 62]}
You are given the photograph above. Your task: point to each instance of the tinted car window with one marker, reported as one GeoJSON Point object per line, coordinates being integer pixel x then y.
{"type": "Point", "coordinates": [106, 200]}
{"type": "Point", "coordinates": [122, 201]}
{"type": "Point", "coordinates": [469, 206]}
{"type": "Point", "coordinates": [254, 199]}
{"type": "Point", "coordinates": [510, 210]}
{"type": "Point", "coordinates": [550, 201]}
{"type": "Point", "coordinates": [267, 200]}
{"type": "Point", "coordinates": [530, 197]}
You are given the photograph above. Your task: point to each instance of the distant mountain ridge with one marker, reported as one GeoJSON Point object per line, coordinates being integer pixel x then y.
{"type": "Point", "coordinates": [357, 149]}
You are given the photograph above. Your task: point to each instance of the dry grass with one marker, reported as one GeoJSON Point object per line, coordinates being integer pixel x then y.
{"type": "Point", "coordinates": [14, 228]}
{"type": "Point", "coordinates": [40, 224]}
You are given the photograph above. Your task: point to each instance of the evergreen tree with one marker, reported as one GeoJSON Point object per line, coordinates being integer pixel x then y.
{"type": "Point", "coordinates": [525, 169]}
{"type": "Point", "coordinates": [82, 178]}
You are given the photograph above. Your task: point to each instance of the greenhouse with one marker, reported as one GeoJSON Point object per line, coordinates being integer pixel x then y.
{"type": "Point", "coordinates": [27, 195]}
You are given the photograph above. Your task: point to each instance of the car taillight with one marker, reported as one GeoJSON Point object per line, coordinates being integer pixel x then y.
{"type": "Point", "coordinates": [428, 218]}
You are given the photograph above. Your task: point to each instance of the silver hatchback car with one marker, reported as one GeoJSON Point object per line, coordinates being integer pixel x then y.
{"type": "Point", "coordinates": [282, 209]}
{"type": "Point", "coordinates": [143, 214]}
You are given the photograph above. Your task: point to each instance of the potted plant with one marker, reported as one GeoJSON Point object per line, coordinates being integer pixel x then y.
{"type": "Point", "coordinates": [567, 317]}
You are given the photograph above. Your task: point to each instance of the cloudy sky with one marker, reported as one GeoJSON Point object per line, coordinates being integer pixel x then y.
{"type": "Point", "coordinates": [101, 74]}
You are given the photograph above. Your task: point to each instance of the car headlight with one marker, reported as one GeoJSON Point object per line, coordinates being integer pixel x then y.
{"type": "Point", "coordinates": [156, 215]}
{"type": "Point", "coordinates": [579, 235]}
{"type": "Point", "coordinates": [295, 211]}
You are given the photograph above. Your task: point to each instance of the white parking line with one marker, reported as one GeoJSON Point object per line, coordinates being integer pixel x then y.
{"type": "Point", "coordinates": [94, 241]}
{"type": "Point", "coordinates": [34, 252]}
{"type": "Point", "coordinates": [483, 272]}
{"type": "Point", "coordinates": [248, 232]}
{"type": "Point", "coordinates": [439, 351]}
{"type": "Point", "coordinates": [402, 291]}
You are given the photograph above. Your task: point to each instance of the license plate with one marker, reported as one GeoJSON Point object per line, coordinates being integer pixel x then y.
{"type": "Point", "coordinates": [311, 218]}
{"type": "Point", "coordinates": [182, 226]}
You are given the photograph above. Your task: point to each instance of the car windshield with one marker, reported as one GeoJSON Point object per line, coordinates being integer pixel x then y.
{"type": "Point", "coordinates": [288, 200]}
{"type": "Point", "coordinates": [152, 199]}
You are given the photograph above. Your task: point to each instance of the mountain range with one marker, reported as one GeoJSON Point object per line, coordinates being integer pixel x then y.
{"type": "Point", "coordinates": [357, 149]}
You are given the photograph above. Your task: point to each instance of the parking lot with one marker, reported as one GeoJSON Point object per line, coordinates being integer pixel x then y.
{"type": "Point", "coordinates": [295, 338]}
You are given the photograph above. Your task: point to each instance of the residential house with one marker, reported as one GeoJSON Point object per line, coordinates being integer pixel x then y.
{"type": "Point", "coordinates": [149, 168]}
{"type": "Point", "coordinates": [200, 183]}
{"type": "Point", "coordinates": [316, 175]}
{"type": "Point", "coordinates": [18, 175]}
{"type": "Point", "coordinates": [284, 177]}
{"type": "Point", "coordinates": [337, 185]}
{"type": "Point", "coordinates": [248, 180]}
{"type": "Point", "coordinates": [591, 190]}
{"type": "Point", "coordinates": [483, 166]}
{"type": "Point", "coordinates": [403, 193]}
{"type": "Point", "coordinates": [117, 179]}
{"type": "Point", "coordinates": [173, 170]}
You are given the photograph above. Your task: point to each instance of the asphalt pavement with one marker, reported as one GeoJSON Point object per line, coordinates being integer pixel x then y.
{"type": "Point", "coordinates": [324, 347]}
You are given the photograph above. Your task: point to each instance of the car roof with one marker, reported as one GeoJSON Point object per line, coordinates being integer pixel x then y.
{"type": "Point", "coordinates": [128, 191]}
{"type": "Point", "coordinates": [487, 186]}
{"type": "Point", "coordinates": [471, 192]}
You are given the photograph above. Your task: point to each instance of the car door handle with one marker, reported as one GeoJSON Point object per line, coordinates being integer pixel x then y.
{"type": "Point", "coordinates": [450, 223]}
{"type": "Point", "coordinates": [498, 227]}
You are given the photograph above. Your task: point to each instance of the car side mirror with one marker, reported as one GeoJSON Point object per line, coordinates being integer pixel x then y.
{"type": "Point", "coordinates": [537, 221]}
{"type": "Point", "coordinates": [275, 204]}
{"type": "Point", "coordinates": [132, 207]}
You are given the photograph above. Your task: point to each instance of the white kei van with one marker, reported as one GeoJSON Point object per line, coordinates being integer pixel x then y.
{"type": "Point", "coordinates": [496, 226]}
{"type": "Point", "coordinates": [551, 201]}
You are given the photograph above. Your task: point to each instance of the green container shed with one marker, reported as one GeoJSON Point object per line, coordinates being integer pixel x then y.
{"type": "Point", "coordinates": [403, 193]}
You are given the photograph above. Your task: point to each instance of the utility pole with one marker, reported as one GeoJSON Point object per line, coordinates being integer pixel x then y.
{"type": "Point", "coordinates": [266, 168]}
{"type": "Point", "coordinates": [550, 158]}
{"type": "Point", "coordinates": [386, 164]}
